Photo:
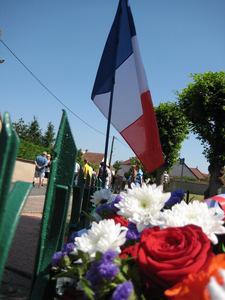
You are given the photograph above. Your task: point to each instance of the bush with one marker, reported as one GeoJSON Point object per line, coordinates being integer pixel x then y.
{"type": "Point", "coordinates": [28, 150]}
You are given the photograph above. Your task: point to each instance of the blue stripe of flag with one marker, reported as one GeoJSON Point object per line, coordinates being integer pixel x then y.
{"type": "Point", "coordinates": [117, 49]}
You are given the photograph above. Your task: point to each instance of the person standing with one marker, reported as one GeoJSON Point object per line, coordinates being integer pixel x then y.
{"type": "Point", "coordinates": [76, 172]}
{"type": "Point", "coordinates": [47, 168]}
{"type": "Point", "coordinates": [108, 178]}
{"type": "Point", "coordinates": [133, 174]}
{"type": "Point", "coordinates": [139, 176]}
{"type": "Point", "coordinates": [100, 171]}
{"type": "Point", "coordinates": [87, 169]}
{"type": "Point", "coordinates": [40, 165]}
{"type": "Point", "coordinates": [119, 181]}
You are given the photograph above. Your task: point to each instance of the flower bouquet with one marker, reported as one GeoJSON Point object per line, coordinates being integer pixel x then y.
{"type": "Point", "coordinates": [145, 244]}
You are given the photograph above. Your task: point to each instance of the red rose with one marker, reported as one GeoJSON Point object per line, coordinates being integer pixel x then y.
{"type": "Point", "coordinates": [120, 220]}
{"type": "Point", "coordinates": [129, 251]}
{"type": "Point", "coordinates": [166, 256]}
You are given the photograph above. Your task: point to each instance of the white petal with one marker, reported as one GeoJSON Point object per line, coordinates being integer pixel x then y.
{"type": "Point", "coordinates": [215, 290]}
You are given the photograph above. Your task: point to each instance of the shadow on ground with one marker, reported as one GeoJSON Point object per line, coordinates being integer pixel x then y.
{"type": "Point", "coordinates": [19, 268]}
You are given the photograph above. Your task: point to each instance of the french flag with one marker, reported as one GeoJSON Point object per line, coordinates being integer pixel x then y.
{"type": "Point", "coordinates": [121, 72]}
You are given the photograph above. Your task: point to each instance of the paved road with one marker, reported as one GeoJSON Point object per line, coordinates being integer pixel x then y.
{"type": "Point", "coordinates": [20, 264]}
{"type": "Point", "coordinates": [38, 191]}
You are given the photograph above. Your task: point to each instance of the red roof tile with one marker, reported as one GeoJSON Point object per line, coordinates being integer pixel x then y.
{"type": "Point", "coordinates": [198, 174]}
{"type": "Point", "coordinates": [126, 162]}
{"type": "Point", "coordinates": [93, 157]}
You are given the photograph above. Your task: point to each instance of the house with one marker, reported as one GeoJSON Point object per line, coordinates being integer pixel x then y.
{"type": "Point", "coordinates": [198, 174]}
{"type": "Point", "coordinates": [125, 165]}
{"type": "Point", "coordinates": [93, 157]}
{"type": "Point", "coordinates": [180, 169]}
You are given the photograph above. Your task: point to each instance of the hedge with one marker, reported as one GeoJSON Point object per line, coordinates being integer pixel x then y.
{"type": "Point", "coordinates": [28, 150]}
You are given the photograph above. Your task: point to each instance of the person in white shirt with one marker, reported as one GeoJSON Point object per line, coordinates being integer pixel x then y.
{"type": "Point", "coordinates": [76, 173]}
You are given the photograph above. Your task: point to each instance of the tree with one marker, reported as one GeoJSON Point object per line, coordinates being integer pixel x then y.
{"type": "Point", "coordinates": [203, 103]}
{"type": "Point", "coordinates": [49, 136]}
{"type": "Point", "coordinates": [34, 134]}
{"type": "Point", "coordinates": [117, 165]}
{"type": "Point", "coordinates": [173, 129]}
{"type": "Point", "coordinates": [79, 157]}
{"type": "Point", "coordinates": [21, 128]}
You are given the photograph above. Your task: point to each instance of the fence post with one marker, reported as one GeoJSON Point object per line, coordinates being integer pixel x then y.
{"type": "Point", "coordinates": [78, 193]}
{"type": "Point", "coordinates": [187, 196]}
{"type": "Point", "coordinates": [11, 202]}
{"type": "Point", "coordinates": [55, 209]}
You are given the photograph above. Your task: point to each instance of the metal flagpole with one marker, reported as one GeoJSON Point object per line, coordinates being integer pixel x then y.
{"type": "Point", "coordinates": [107, 135]}
{"type": "Point", "coordinates": [109, 116]}
{"type": "Point", "coordinates": [111, 152]}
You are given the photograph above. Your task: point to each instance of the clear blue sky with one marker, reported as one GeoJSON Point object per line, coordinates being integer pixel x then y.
{"type": "Point", "coordinates": [62, 42]}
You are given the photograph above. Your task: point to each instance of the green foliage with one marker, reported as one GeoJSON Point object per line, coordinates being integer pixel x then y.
{"type": "Point", "coordinates": [34, 134]}
{"type": "Point", "coordinates": [117, 165]}
{"type": "Point", "coordinates": [134, 161]}
{"type": "Point", "coordinates": [33, 142]}
{"type": "Point", "coordinates": [28, 150]}
{"type": "Point", "coordinates": [75, 266]}
{"type": "Point", "coordinates": [173, 129]}
{"type": "Point", "coordinates": [203, 103]}
{"type": "Point", "coordinates": [79, 158]}
{"type": "Point", "coordinates": [49, 137]}
{"type": "Point", "coordinates": [21, 128]}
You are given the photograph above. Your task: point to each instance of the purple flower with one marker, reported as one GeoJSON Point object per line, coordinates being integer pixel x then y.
{"type": "Point", "coordinates": [101, 271]}
{"type": "Point", "coordinates": [123, 291]}
{"type": "Point", "coordinates": [132, 233]}
{"type": "Point", "coordinates": [176, 197]}
{"type": "Point", "coordinates": [108, 209]}
{"type": "Point", "coordinates": [76, 234]}
{"type": "Point", "coordinates": [57, 257]}
{"type": "Point", "coordinates": [109, 256]}
{"type": "Point", "coordinates": [108, 271]}
{"type": "Point", "coordinates": [115, 201]}
{"type": "Point", "coordinates": [102, 208]}
{"type": "Point", "coordinates": [92, 275]}
{"type": "Point", "coordinates": [104, 269]}
{"type": "Point", "coordinates": [69, 247]}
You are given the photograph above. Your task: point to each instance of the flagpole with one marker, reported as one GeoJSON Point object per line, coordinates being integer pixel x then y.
{"type": "Point", "coordinates": [107, 134]}
{"type": "Point", "coordinates": [111, 152]}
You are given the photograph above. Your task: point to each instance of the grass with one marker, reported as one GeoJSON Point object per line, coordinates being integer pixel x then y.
{"type": "Point", "coordinates": [196, 197]}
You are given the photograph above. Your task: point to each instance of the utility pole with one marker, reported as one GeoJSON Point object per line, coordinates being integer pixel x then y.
{"type": "Point", "coordinates": [182, 167]}
{"type": "Point", "coordinates": [110, 158]}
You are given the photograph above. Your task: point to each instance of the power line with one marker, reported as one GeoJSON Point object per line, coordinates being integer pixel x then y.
{"type": "Point", "coordinates": [49, 91]}
{"type": "Point", "coordinates": [53, 95]}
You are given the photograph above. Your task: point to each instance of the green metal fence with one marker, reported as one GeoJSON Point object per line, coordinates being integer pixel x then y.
{"type": "Point", "coordinates": [55, 226]}
{"type": "Point", "coordinates": [12, 198]}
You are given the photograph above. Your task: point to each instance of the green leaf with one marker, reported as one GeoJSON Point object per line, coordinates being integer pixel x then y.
{"type": "Point", "coordinates": [223, 247]}
{"type": "Point", "coordinates": [98, 256]}
{"type": "Point", "coordinates": [87, 289]}
{"type": "Point", "coordinates": [65, 261]}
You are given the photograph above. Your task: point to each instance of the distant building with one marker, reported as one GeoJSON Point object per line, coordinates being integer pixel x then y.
{"type": "Point", "coordinates": [179, 169]}
{"type": "Point", "coordinates": [125, 165]}
{"type": "Point", "coordinates": [93, 157]}
{"type": "Point", "coordinates": [182, 170]}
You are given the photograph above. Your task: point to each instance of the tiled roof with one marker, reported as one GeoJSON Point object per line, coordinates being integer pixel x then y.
{"type": "Point", "coordinates": [94, 157]}
{"type": "Point", "coordinates": [125, 162]}
{"type": "Point", "coordinates": [198, 174]}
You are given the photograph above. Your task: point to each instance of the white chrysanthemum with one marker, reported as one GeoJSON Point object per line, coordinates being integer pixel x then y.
{"type": "Point", "coordinates": [103, 194]}
{"type": "Point", "coordinates": [103, 236]}
{"type": "Point", "coordinates": [197, 213]}
{"type": "Point", "coordinates": [142, 205]}
{"type": "Point", "coordinates": [217, 291]}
